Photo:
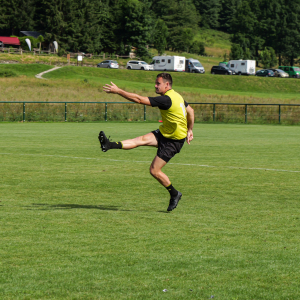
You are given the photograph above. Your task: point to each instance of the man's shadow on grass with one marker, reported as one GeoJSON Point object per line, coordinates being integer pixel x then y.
{"type": "Point", "coordinates": [45, 206]}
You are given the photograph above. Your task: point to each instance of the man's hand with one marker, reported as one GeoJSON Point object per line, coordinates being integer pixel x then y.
{"type": "Point", "coordinates": [111, 88]}
{"type": "Point", "coordinates": [189, 136]}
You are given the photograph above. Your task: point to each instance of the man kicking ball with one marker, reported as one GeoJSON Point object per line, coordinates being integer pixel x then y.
{"type": "Point", "coordinates": [177, 126]}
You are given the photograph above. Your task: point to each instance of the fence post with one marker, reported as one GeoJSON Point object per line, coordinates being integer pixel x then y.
{"type": "Point", "coordinates": [23, 111]}
{"type": "Point", "coordinates": [65, 112]}
{"type": "Point", "coordinates": [246, 113]}
{"type": "Point", "coordinates": [279, 113]}
{"type": "Point", "coordinates": [214, 112]}
{"type": "Point", "coordinates": [106, 112]}
{"type": "Point", "coordinates": [144, 112]}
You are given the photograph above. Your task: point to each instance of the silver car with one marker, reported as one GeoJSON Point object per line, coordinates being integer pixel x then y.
{"type": "Point", "coordinates": [280, 73]}
{"type": "Point", "coordinates": [138, 65]}
{"type": "Point", "coordinates": [112, 64]}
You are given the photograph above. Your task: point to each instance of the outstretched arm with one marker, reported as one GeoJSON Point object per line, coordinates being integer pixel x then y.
{"type": "Point", "coordinates": [113, 89]}
{"type": "Point", "coordinates": [190, 124]}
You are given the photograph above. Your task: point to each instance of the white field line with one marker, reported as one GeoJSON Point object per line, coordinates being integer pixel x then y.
{"type": "Point", "coordinates": [39, 76]}
{"type": "Point", "coordinates": [149, 162]}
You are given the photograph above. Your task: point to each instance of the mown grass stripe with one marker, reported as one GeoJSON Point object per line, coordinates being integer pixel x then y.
{"type": "Point", "coordinates": [149, 162]}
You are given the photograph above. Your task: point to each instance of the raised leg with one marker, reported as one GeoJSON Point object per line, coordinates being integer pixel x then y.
{"type": "Point", "coordinates": [144, 140]}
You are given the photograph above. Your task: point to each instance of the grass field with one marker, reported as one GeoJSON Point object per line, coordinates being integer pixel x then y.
{"type": "Point", "coordinates": [77, 223]}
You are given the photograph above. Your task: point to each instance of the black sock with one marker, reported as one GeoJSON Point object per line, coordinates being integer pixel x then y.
{"type": "Point", "coordinates": [173, 192]}
{"type": "Point", "coordinates": [115, 145]}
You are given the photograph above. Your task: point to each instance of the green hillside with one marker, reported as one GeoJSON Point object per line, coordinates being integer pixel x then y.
{"type": "Point", "coordinates": [266, 87]}
{"type": "Point", "coordinates": [85, 84]}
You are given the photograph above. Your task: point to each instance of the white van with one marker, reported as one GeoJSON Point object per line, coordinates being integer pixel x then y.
{"type": "Point", "coordinates": [169, 63]}
{"type": "Point", "coordinates": [242, 67]}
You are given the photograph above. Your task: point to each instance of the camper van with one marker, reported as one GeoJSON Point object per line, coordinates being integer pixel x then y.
{"type": "Point", "coordinates": [193, 66]}
{"type": "Point", "coordinates": [242, 67]}
{"type": "Point", "coordinates": [169, 63]}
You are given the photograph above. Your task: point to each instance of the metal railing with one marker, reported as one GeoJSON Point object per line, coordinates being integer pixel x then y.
{"type": "Point", "coordinates": [204, 112]}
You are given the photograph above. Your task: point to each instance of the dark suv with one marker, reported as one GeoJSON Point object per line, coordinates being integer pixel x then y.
{"type": "Point", "coordinates": [221, 70]}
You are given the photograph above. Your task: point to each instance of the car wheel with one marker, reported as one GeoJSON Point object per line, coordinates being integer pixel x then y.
{"type": "Point", "coordinates": [294, 76]}
{"type": "Point", "coordinates": [240, 73]}
{"type": "Point", "coordinates": [226, 73]}
{"type": "Point", "coordinates": [108, 67]}
{"type": "Point", "coordinates": [213, 73]}
{"type": "Point", "coordinates": [267, 76]}
{"type": "Point", "coordinates": [128, 68]}
{"type": "Point", "coordinates": [142, 68]}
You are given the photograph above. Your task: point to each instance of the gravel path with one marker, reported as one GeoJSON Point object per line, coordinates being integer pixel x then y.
{"type": "Point", "coordinates": [40, 75]}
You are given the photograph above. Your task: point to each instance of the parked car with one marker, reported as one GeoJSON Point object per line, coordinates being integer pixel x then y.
{"type": "Point", "coordinates": [292, 71]}
{"type": "Point", "coordinates": [221, 70]}
{"type": "Point", "coordinates": [265, 73]}
{"type": "Point", "coordinates": [138, 65]}
{"type": "Point", "coordinates": [108, 64]}
{"type": "Point", "coordinates": [280, 73]}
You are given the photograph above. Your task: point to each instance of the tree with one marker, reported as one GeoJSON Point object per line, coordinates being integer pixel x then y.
{"type": "Point", "coordinates": [138, 25]}
{"type": "Point", "coordinates": [88, 28]}
{"type": "Point", "coordinates": [57, 18]}
{"type": "Point", "coordinates": [185, 39]}
{"type": "Point", "coordinates": [227, 10]}
{"type": "Point", "coordinates": [40, 39]}
{"type": "Point", "coordinates": [160, 36]}
{"type": "Point", "coordinates": [178, 16]}
{"type": "Point", "coordinates": [236, 52]}
{"type": "Point", "coordinates": [288, 33]}
{"type": "Point", "coordinates": [17, 15]}
{"type": "Point", "coordinates": [209, 12]}
{"type": "Point", "coordinates": [198, 48]}
{"type": "Point", "coordinates": [268, 58]}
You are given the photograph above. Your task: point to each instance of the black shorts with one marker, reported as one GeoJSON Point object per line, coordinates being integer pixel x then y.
{"type": "Point", "coordinates": [167, 148]}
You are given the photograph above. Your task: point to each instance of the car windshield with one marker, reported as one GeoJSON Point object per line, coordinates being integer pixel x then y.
{"type": "Point", "coordinates": [114, 62]}
{"type": "Point", "coordinates": [197, 64]}
{"type": "Point", "coordinates": [143, 63]}
{"type": "Point", "coordinates": [280, 71]}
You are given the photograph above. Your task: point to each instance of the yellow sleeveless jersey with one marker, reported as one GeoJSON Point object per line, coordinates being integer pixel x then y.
{"type": "Point", "coordinates": [174, 119]}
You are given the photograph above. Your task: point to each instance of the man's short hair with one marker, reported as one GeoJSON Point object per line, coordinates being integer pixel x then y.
{"type": "Point", "coordinates": [166, 77]}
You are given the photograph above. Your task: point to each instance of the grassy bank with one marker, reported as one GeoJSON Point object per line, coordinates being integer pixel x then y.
{"type": "Point", "coordinates": [266, 87]}
{"type": "Point", "coordinates": [79, 84]}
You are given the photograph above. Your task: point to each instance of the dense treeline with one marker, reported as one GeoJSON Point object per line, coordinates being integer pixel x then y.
{"type": "Point", "coordinates": [256, 26]}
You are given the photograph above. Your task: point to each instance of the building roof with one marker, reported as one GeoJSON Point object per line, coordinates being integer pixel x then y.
{"type": "Point", "coordinates": [34, 34]}
{"type": "Point", "coordinates": [10, 40]}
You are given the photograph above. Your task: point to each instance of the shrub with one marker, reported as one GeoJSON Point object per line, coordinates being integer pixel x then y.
{"type": "Point", "coordinates": [7, 73]}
